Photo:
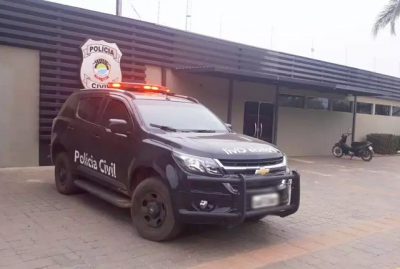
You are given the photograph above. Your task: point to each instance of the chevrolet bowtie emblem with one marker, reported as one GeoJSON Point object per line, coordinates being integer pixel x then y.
{"type": "Point", "coordinates": [262, 171]}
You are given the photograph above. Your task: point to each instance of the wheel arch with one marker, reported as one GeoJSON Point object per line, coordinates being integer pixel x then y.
{"type": "Point", "coordinates": [139, 174]}
{"type": "Point", "coordinates": [56, 149]}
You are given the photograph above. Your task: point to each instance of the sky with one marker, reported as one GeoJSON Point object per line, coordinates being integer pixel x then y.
{"type": "Point", "coordinates": [339, 31]}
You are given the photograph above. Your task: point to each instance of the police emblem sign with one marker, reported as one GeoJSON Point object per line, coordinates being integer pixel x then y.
{"type": "Point", "coordinates": [101, 64]}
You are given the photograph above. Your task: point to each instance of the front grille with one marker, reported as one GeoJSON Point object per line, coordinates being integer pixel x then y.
{"type": "Point", "coordinates": [251, 163]}
{"type": "Point", "coordinates": [253, 171]}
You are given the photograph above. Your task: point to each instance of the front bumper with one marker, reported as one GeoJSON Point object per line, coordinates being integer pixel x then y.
{"type": "Point", "coordinates": [240, 209]}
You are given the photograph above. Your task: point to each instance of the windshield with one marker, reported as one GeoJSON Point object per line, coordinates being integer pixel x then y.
{"type": "Point", "coordinates": [179, 116]}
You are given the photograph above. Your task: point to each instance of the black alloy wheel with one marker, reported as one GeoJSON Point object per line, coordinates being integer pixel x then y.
{"type": "Point", "coordinates": [153, 209]}
{"type": "Point", "coordinates": [152, 212]}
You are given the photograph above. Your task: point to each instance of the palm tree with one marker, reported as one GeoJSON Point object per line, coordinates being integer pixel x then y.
{"type": "Point", "coordinates": [387, 16]}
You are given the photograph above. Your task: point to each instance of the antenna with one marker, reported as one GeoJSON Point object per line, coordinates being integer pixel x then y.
{"type": "Point", "coordinates": [188, 15]}
{"type": "Point", "coordinates": [134, 9]}
{"type": "Point", "coordinates": [312, 49]}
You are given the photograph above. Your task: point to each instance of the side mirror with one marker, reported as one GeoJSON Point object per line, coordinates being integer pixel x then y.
{"type": "Point", "coordinates": [119, 127]}
{"type": "Point", "coordinates": [228, 125]}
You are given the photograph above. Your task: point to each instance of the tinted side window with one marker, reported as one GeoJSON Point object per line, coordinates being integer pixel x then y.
{"type": "Point", "coordinates": [88, 107]}
{"type": "Point", "coordinates": [68, 108]}
{"type": "Point", "coordinates": [115, 110]}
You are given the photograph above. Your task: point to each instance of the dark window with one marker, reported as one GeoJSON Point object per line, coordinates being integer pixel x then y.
{"type": "Point", "coordinates": [69, 107]}
{"type": "Point", "coordinates": [318, 103]}
{"type": "Point", "coordinates": [342, 105]}
{"type": "Point", "coordinates": [291, 101]}
{"type": "Point", "coordinates": [364, 108]}
{"type": "Point", "coordinates": [88, 107]}
{"type": "Point", "coordinates": [382, 110]}
{"type": "Point", "coordinates": [396, 111]}
{"type": "Point", "coordinates": [115, 110]}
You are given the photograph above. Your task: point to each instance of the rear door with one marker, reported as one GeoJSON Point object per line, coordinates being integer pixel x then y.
{"type": "Point", "coordinates": [116, 151]}
{"type": "Point", "coordinates": [84, 151]}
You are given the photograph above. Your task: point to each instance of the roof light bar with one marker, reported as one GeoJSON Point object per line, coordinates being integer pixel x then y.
{"type": "Point", "coordinates": [138, 87]}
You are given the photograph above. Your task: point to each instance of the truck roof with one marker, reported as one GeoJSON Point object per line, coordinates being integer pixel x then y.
{"type": "Point", "coordinates": [145, 95]}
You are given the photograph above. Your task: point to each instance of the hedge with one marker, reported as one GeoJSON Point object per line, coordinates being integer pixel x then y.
{"type": "Point", "coordinates": [385, 143]}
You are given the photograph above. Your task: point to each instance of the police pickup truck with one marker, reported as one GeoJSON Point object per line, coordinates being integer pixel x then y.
{"type": "Point", "coordinates": [167, 158]}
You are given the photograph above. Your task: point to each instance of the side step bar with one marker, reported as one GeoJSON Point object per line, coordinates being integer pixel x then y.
{"type": "Point", "coordinates": [108, 195]}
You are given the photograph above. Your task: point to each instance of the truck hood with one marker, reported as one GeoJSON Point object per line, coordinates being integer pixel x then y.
{"type": "Point", "coordinates": [219, 145]}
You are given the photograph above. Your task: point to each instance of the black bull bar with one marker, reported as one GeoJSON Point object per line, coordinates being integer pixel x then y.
{"type": "Point", "coordinates": [241, 197]}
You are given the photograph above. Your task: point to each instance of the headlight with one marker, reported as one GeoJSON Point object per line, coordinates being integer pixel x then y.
{"type": "Point", "coordinates": [284, 161]}
{"type": "Point", "coordinates": [197, 164]}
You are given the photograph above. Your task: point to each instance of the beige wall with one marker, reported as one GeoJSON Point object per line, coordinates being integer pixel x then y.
{"type": "Point", "coordinates": [306, 132]}
{"type": "Point", "coordinates": [19, 107]}
{"type": "Point", "coordinates": [153, 74]}
{"type": "Point", "coordinates": [211, 92]}
{"type": "Point", "coordinates": [366, 124]}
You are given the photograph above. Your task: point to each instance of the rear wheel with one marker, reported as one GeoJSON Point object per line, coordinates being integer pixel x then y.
{"type": "Point", "coordinates": [366, 155]}
{"type": "Point", "coordinates": [63, 175]}
{"type": "Point", "coordinates": [337, 152]}
{"type": "Point", "coordinates": [152, 212]}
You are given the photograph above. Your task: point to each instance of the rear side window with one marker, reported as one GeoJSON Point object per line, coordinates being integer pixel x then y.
{"type": "Point", "coordinates": [115, 110]}
{"type": "Point", "coordinates": [88, 108]}
{"type": "Point", "coordinates": [69, 107]}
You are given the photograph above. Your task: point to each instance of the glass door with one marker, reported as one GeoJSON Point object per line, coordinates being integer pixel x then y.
{"type": "Point", "coordinates": [250, 119]}
{"type": "Point", "coordinates": [266, 122]}
{"type": "Point", "coordinates": [258, 120]}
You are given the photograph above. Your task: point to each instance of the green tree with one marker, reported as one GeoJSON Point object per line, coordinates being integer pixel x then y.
{"type": "Point", "coordinates": [388, 15]}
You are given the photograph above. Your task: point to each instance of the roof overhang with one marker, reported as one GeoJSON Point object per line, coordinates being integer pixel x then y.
{"type": "Point", "coordinates": [252, 76]}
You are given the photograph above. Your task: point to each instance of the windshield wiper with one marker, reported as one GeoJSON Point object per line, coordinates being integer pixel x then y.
{"type": "Point", "coordinates": [202, 131]}
{"type": "Point", "coordinates": [162, 127]}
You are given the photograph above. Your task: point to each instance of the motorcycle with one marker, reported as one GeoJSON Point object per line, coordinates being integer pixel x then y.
{"type": "Point", "coordinates": [362, 150]}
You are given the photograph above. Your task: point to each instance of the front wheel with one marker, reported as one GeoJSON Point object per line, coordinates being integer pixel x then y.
{"type": "Point", "coordinates": [366, 155]}
{"type": "Point", "coordinates": [152, 212]}
{"type": "Point", "coordinates": [337, 151]}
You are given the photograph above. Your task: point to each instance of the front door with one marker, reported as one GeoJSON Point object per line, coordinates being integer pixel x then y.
{"type": "Point", "coordinates": [116, 149]}
{"type": "Point", "coordinates": [259, 120]}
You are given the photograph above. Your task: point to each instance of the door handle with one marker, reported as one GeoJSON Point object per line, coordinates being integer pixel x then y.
{"type": "Point", "coordinates": [255, 129]}
{"type": "Point", "coordinates": [96, 135]}
{"type": "Point", "coordinates": [261, 130]}
{"type": "Point", "coordinates": [70, 127]}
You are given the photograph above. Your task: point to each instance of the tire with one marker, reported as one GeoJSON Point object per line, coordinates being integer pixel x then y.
{"type": "Point", "coordinates": [367, 155]}
{"type": "Point", "coordinates": [63, 175]}
{"type": "Point", "coordinates": [337, 152]}
{"type": "Point", "coordinates": [256, 218]}
{"type": "Point", "coordinates": [152, 196]}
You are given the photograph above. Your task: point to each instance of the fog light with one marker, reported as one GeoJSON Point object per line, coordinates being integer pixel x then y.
{"type": "Point", "coordinates": [203, 204]}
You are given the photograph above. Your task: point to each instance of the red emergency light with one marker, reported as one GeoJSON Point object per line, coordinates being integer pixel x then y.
{"type": "Point", "coordinates": [138, 87]}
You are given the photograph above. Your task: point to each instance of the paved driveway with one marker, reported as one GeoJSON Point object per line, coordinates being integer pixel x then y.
{"type": "Point", "coordinates": [349, 218]}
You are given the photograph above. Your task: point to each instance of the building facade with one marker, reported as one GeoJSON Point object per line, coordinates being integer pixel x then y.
{"type": "Point", "coordinates": [299, 104]}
